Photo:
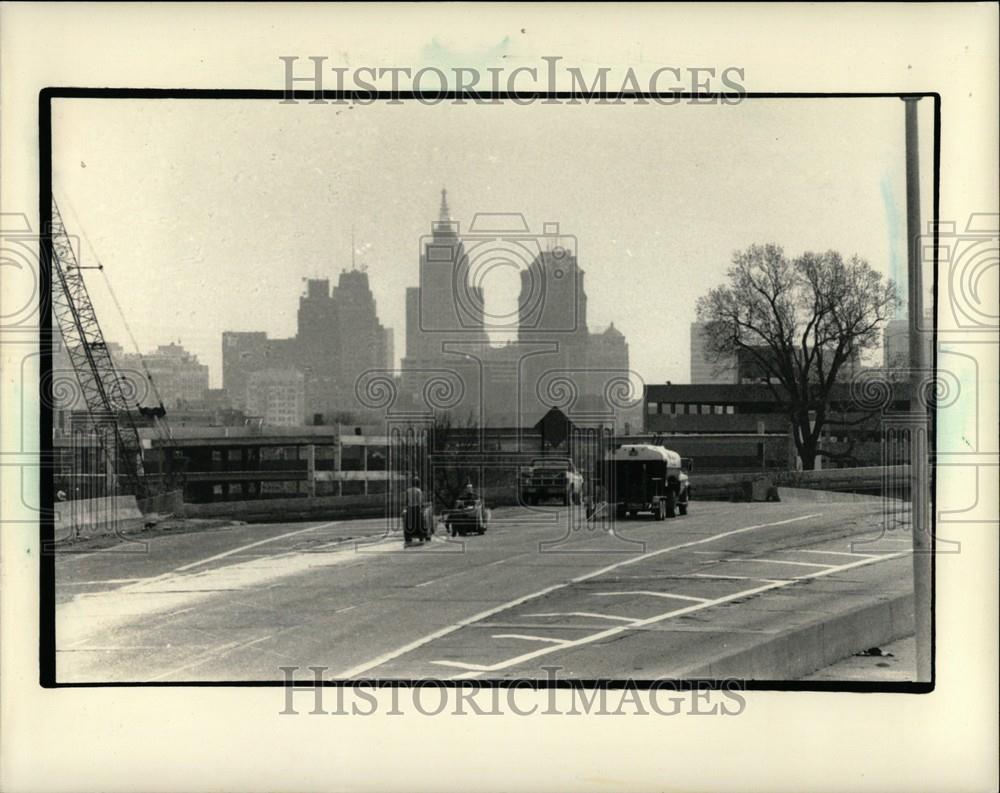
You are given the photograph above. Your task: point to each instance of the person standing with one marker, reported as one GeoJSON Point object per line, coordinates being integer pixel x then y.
{"type": "Point", "coordinates": [412, 517]}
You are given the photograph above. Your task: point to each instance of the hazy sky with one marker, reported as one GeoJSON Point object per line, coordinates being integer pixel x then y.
{"type": "Point", "coordinates": [209, 214]}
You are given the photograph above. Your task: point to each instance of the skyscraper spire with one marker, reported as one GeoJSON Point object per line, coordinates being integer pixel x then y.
{"type": "Point", "coordinates": [445, 213]}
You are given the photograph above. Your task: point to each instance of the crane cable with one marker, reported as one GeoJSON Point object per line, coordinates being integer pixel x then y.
{"type": "Point", "coordinates": [121, 314]}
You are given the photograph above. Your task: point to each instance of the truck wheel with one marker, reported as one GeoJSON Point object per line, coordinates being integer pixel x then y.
{"type": "Point", "coordinates": [620, 513]}
{"type": "Point", "coordinates": [671, 504]}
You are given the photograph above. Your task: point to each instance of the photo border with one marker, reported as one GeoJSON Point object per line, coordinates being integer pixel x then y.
{"type": "Point", "coordinates": [47, 604]}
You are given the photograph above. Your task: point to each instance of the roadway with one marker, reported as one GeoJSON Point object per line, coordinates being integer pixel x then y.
{"type": "Point", "coordinates": [541, 589]}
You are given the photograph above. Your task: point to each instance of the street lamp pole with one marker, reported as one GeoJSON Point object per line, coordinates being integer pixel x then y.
{"type": "Point", "coordinates": [919, 370]}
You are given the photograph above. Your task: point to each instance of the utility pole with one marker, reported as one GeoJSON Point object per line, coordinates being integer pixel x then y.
{"type": "Point", "coordinates": [923, 545]}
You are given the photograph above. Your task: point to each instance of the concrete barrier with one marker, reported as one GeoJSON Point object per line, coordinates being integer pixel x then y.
{"type": "Point", "coordinates": [84, 518]}
{"type": "Point", "coordinates": [806, 649]}
{"type": "Point", "coordinates": [872, 481]}
{"type": "Point", "coordinates": [799, 495]}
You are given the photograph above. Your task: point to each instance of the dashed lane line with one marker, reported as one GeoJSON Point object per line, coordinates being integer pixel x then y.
{"type": "Point", "coordinates": [650, 593]}
{"type": "Point", "coordinates": [393, 654]}
{"type": "Point", "coordinates": [528, 638]}
{"type": "Point", "coordinates": [780, 561]}
{"type": "Point", "coordinates": [736, 577]}
{"type": "Point", "coordinates": [474, 669]}
{"type": "Point", "coordinates": [580, 614]}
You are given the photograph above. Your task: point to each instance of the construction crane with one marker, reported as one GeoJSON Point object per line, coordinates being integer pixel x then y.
{"type": "Point", "coordinates": [100, 383]}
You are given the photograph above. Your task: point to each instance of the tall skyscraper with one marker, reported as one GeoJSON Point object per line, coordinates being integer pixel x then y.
{"type": "Point", "coordinates": [554, 358]}
{"type": "Point", "coordinates": [338, 338]}
{"type": "Point", "coordinates": [446, 338]}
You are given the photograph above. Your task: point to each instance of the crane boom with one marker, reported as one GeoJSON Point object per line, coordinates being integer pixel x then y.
{"type": "Point", "coordinates": [99, 381]}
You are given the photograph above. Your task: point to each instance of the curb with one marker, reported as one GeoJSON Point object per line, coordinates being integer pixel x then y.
{"type": "Point", "coordinates": [812, 647]}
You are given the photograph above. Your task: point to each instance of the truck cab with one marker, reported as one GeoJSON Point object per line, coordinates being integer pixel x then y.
{"type": "Point", "coordinates": [648, 478]}
{"type": "Point", "coordinates": [551, 478]}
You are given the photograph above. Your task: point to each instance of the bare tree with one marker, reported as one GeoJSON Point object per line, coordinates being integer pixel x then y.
{"type": "Point", "coordinates": [451, 469]}
{"type": "Point", "coordinates": [799, 321]}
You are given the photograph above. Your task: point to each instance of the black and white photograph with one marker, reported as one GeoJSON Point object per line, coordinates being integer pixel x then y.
{"type": "Point", "coordinates": [475, 389]}
{"type": "Point", "coordinates": [498, 380]}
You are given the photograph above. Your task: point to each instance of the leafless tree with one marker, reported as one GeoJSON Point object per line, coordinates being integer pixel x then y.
{"type": "Point", "coordinates": [800, 321]}
{"type": "Point", "coordinates": [450, 471]}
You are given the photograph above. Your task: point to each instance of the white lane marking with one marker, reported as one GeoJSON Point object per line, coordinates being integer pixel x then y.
{"type": "Point", "coordinates": [242, 548]}
{"type": "Point", "coordinates": [106, 581]}
{"type": "Point", "coordinates": [736, 577]}
{"type": "Point", "coordinates": [392, 654]}
{"type": "Point", "coordinates": [528, 638]}
{"type": "Point", "coordinates": [463, 676]}
{"type": "Point", "coordinates": [88, 615]}
{"type": "Point", "coordinates": [780, 561]}
{"type": "Point", "coordinates": [834, 553]}
{"type": "Point", "coordinates": [608, 632]}
{"type": "Point", "coordinates": [650, 593]}
{"type": "Point", "coordinates": [218, 652]}
{"type": "Point", "coordinates": [475, 669]}
{"type": "Point", "coordinates": [346, 608]}
{"type": "Point", "coordinates": [639, 624]}
{"type": "Point", "coordinates": [581, 614]}
{"type": "Point", "coordinates": [225, 554]}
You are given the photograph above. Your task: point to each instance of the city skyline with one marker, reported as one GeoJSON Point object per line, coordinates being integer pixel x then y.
{"type": "Point", "coordinates": [374, 173]}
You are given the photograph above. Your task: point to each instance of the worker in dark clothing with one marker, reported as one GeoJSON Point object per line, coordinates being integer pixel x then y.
{"type": "Point", "coordinates": [468, 493]}
{"type": "Point", "coordinates": [413, 518]}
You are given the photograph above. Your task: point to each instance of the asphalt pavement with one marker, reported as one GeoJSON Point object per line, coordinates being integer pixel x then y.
{"type": "Point", "coordinates": [542, 590]}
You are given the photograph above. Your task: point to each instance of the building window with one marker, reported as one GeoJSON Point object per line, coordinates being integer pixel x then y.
{"type": "Point", "coordinates": [352, 487]}
{"type": "Point", "coordinates": [217, 456]}
{"type": "Point", "coordinates": [328, 488]}
{"type": "Point", "coordinates": [352, 458]}
{"type": "Point", "coordinates": [652, 407]}
{"type": "Point", "coordinates": [376, 458]}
